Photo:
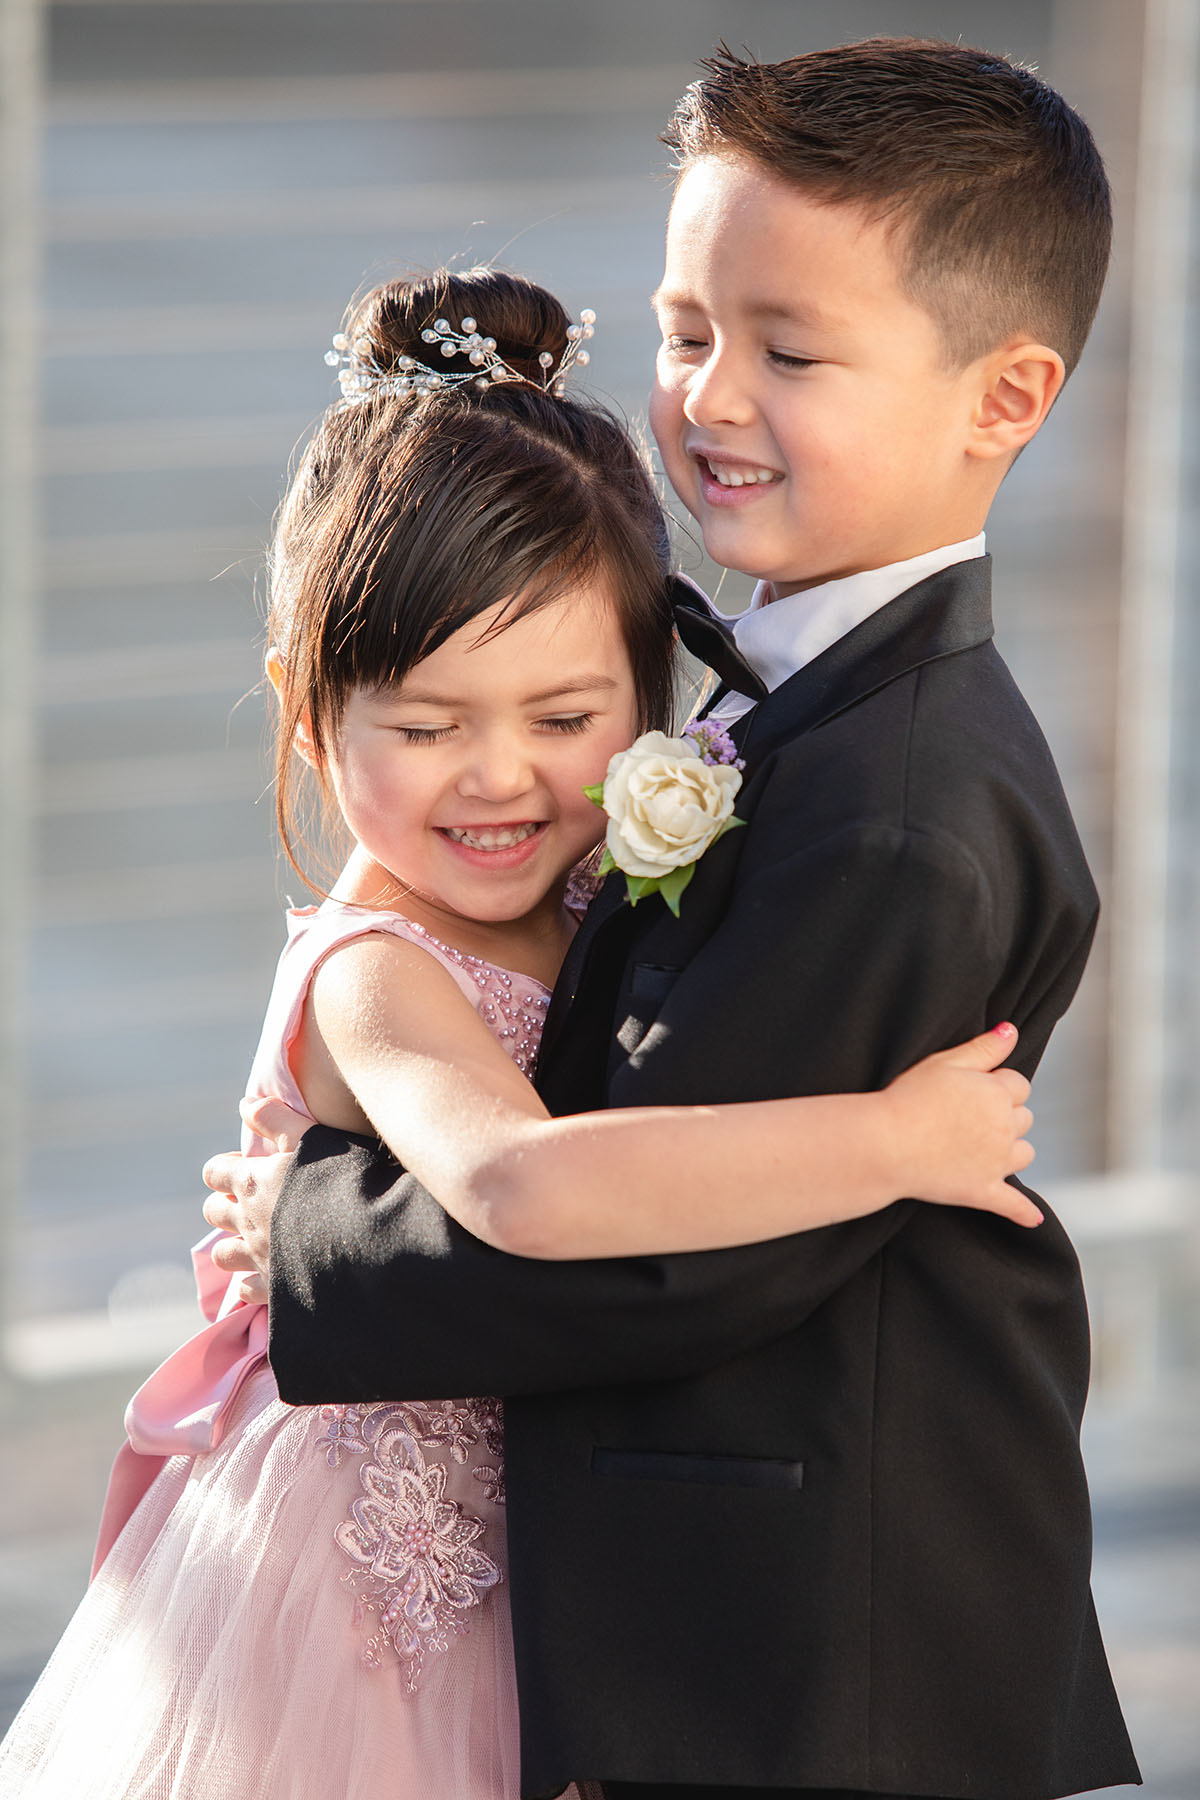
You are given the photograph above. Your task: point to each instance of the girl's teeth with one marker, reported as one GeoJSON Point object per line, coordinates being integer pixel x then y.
{"type": "Point", "coordinates": [742, 478]}
{"type": "Point", "coordinates": [491, 840]}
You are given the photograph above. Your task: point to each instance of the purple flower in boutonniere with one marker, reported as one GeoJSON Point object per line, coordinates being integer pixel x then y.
{"type": "Point", "coordinates": [668, 800]}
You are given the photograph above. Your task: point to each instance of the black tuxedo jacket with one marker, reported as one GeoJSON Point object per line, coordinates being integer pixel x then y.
{"type": "Point", "coordinates": [809, 1513]}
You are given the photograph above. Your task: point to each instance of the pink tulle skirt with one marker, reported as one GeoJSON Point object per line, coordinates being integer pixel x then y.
{"type": "Point", "coordinates": [315, 1610]}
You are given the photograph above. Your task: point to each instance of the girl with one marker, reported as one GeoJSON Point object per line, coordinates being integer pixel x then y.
{"type": "Point", "coordinates": [469, 617]}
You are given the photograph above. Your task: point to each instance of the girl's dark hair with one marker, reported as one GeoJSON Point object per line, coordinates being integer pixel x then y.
{"type": "Point", "coordinates": [994, 186]}
{"type": "Point", "coordinates": [411, 514]}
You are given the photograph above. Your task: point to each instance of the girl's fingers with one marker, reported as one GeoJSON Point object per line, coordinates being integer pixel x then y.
{"type": "Point", "coordinates": [1014, 1085]}
{"type": "Point", "coordinates": [1022, 1120]}
{"type": "Point", "coordinates": [275, 1121]}
{"type": "Point", "coordinates": [1023, 1211]}
{"type": "Point", "coordinates": [987, 1051]}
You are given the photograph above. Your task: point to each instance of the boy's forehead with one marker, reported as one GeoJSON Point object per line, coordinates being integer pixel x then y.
{"type": "Point", "coordinates": [789, 255]}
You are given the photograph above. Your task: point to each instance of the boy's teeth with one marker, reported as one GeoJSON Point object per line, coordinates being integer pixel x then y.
{"type": "Point", "coordinates": [741, 478]}
{"type": "Point", "coordinates": [487, 839]}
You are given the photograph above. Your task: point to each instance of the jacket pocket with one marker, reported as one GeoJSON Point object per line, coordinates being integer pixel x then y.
{"type": "Point", "coordinates": [649, 985]}
{"type": "Point", "coordinates": [720, 1471]}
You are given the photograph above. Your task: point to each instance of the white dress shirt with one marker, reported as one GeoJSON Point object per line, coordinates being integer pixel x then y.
{"type": "Point", "coordinates": [777, 637]}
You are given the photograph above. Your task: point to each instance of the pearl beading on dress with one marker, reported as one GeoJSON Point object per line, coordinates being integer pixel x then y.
{"type": "Point", "coordinates": [512, 1006]}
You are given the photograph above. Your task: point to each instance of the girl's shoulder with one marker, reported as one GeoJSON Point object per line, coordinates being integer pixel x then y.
{"type": "Point", "coordinates": [511, 1005]}
{"type": "Point", "coordinates": [315, 931]}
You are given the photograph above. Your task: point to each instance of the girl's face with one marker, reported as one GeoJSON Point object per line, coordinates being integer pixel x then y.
{"type": "Point", "coordinates": [463, 783]}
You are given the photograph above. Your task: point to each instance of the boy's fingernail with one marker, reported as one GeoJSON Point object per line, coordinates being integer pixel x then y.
{"type": "Point", "coordinates": [1005, 1030]}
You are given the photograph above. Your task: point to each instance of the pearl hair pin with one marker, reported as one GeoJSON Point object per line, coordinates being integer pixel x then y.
{"type": "Point", "coordinates": [361, 377]}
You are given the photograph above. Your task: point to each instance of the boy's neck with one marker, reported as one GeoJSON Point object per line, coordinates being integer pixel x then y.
{"type": "Point", "coordinates": [921, 564]}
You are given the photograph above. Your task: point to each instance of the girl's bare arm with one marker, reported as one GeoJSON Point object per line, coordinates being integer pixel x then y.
{"type": "Point", "coordinates": [391, 1046]}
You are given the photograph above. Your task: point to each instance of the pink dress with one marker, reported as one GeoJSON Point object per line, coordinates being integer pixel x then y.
{"type": "Point", "coordinates": [300, 1603]}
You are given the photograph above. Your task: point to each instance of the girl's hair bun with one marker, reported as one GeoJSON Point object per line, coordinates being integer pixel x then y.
{"type": "Point", "coordinates": [525, 320]}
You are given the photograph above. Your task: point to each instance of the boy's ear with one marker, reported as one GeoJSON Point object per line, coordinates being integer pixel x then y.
{"type": "Point", "coordinates": [302, 742]}
{"type": "Point", "coordinates": [1020, 384]}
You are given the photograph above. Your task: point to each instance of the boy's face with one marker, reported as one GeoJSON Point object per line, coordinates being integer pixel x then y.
{"type": "Point", "coordinates": [801, 404]}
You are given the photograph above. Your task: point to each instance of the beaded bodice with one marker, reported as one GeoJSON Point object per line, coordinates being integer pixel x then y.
{"type": "Point", "coordinates": [512, 1006]}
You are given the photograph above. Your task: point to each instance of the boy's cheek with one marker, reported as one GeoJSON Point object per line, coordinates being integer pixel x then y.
{"type": "Point", "coordinates": [666, 422]}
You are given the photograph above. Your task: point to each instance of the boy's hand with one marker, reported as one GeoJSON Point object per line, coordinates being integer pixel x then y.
{"type": "Point", "coordinates": [245, 1190]}
{"type": "Point", "coordinates": [964, 1120]}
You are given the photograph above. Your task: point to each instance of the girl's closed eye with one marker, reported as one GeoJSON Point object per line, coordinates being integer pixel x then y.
{"type": "Point", "coordinates": [424, 734]}
{"type": "Point", "coordinates": [569, 722]}
{"type": "Point", "coordinates": [786, 359]}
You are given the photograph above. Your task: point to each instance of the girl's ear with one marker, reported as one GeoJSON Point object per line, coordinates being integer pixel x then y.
{"type": "Point", "coordinates": [1020, 384]}
{"type": "Point", "coordinates": [302, 740]}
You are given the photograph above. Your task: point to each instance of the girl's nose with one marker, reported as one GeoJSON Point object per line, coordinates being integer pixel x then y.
{"type": "Point", "coordinates": [499, 770]}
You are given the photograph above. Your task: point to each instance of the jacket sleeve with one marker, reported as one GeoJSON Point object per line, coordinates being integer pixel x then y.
{"type": "Point", "coordinates": [834, 969]}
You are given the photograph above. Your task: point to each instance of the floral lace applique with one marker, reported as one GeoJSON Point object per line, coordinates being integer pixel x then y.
{"type": "Point", "coordinates": [456, 1426]}
{"type": "Point", "coordinates": [487, 1420]}
{"type": "Point", "coordinates": [415, 1566]}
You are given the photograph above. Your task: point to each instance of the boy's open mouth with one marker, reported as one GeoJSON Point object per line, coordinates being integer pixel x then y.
{"type": "Point", "coordinates": [492, 837]}
{"type": "Point", "coordinates": [735, 475]}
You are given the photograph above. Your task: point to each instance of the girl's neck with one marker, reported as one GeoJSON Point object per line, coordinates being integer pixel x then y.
{"type": "Point", "coordinates": [534, 944]}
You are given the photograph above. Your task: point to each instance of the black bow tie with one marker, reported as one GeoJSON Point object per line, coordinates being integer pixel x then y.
{"type": "Point", "coordinates": [711, 639]}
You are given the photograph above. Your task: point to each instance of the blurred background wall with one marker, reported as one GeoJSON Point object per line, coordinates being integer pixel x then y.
{"type": "Point", "coordinates": [191, 191]}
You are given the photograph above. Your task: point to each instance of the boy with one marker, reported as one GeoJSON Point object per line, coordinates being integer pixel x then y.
{"type": "Point", "coordinates": [807, 1517]}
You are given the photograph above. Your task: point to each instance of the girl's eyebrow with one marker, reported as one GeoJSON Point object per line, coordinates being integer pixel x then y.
{"type": "Point", "coordinates": [585, 684]}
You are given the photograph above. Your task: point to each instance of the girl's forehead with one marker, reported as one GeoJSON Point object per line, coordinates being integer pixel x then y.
{"type": "Point", "coordinates": [580, 626]}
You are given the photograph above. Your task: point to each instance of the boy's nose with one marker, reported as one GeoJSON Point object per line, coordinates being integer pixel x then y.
{"type": "Point", "coordinates": [717, 394]}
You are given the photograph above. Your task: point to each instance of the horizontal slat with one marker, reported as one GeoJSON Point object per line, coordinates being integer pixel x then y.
{"type": "Point", "coordinates": [249, 442]}
{"type": "Point", "coordinates": [179, 1000]}
{"type": "Point", "coordinates": [340, 211]}
{"type": "Point", "coordinates": [150, 330]}
{"type": "Point", "coordinates": [434, 93]}
{"type": "Point", "coordinates": [227, 326]}
{"type": "Point", "coordinates": [130, 1115]}
{"type": "Point", "coordinates": [184, 890]}
{"type": "Point", "coordinates": [57, 1347]}
{"type": "Point", "coordinates": [119, 783]}
{"type": "Point", "coordinates": [148, 672]}
{"type": "Point", "coordinates": [126, 559]}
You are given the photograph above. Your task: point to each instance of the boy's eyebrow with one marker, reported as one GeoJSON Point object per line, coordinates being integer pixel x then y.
{"type": "Point", "coordinates": [811, 318]}
{"type": "Point", "coordinates": [793, 312]}
{"type": "Point", "coordinates": [585, 684]}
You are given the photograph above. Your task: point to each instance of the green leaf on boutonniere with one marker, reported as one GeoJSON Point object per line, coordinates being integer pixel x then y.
{"type": "Point", "coordinates": [729, 824]}
{"type": "Point", "coordinates": [671, 886]}
{"type": "Point", "coordinates": [606, 865]}
{"type": "Point", "coordinates": [595, 794]}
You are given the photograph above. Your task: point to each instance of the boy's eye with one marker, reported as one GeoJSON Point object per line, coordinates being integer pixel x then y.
{"type": "Point", "coordinates": [568, 722]}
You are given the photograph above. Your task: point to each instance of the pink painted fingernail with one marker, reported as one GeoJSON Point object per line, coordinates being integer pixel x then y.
{"type": "Point", "coordinates": [1005, 1030]}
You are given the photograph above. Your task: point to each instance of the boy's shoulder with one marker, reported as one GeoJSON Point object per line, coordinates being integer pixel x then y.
{"type": "Point", "coordinates": [949, 748]}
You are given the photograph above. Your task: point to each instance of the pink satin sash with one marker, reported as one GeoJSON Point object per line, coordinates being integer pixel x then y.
{"type": "Point", "coordinates": [182, 1409]}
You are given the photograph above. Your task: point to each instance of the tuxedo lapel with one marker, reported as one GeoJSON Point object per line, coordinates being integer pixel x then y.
{"type": "Point", "coordinates": [948, 613]}
{"type": "Point", "coordinates": [609, 905]}
{"type": "Point", "coordinates": [942, 616]}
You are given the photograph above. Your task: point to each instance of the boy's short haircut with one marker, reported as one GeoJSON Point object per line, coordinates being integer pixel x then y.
{"type": "Point", "coordinates": [994, 185]}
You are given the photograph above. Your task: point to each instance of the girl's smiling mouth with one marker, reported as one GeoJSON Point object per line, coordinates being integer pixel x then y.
{"type": "Point", "coordinates": [509, 844]}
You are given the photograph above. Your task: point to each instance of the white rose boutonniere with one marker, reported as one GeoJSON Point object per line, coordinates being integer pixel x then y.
{"type": "Point", "coordinates": [668, 800]}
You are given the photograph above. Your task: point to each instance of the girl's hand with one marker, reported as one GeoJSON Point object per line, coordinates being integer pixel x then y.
{"type": "Point", "coordinates": [963, 1121]}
